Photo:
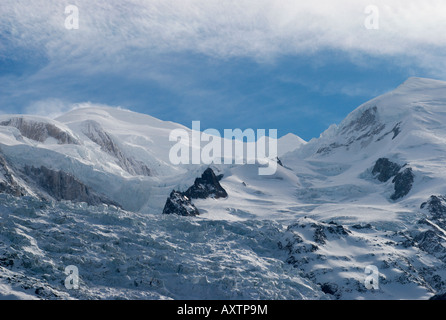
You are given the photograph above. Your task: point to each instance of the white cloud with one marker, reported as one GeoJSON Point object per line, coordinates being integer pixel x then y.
{"type": "Point", "coordinates": [50, 108]}
{"type": "Point", "coordinates": [53, 107]}
{"type": "Point", "coordinates": [262, 29]}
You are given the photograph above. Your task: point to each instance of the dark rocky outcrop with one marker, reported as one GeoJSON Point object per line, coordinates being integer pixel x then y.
{"type": "Point", "coordinates": [403, 183]}
{"type": "Point", "coordinates": [396, 130]}
{"type": "Point", "coordinates": [320, 233]}
{"type": "Point", "coordinates": [321, 230]}
{"type": "Point", "coordinates": [305, 243]}
{"type": "Point", "coordinates": [63, 186]}
{"type": "Point", "coordinates": [208, 186]}
{"type": "Point", "coordinates": [440, 296]}
{"type": "Point", "coordinates": [431, 242]}
{"type": "Point", "coordinates": [96, 133]}
{"type": "Point", "coordinates": [403, 178]}
{"type": "Point", "coordinates": [40, 131]}
{"type": "Point", "coordinates": [329, 288]}
{"type": "Point", "coordinates": [384, 169]}
{"type": "Point", "coordinates": [436, 205]}
{"type": "Point", "coordinates": [431, 237]}
{"type": "Point", "coordinates": [362, 226]}
{"type": "Point", "coordinates": [179, 204]}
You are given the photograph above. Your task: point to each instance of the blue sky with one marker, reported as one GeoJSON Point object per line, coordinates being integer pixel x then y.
{"type": "Point", "coordinates": [230, 64]}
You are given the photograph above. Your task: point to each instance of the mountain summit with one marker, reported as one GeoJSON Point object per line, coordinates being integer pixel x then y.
{"type": "Point", "coordinates": [89, 189]}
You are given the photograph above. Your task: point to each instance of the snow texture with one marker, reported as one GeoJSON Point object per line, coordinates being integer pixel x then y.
{"type": "Point", "coordinates": [369, 191]}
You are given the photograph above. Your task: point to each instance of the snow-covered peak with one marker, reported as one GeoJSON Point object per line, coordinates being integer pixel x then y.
{"type": "Point", "coordinates": [113, 118]}
{"type": "Point", "coordinates": [421, 84]}
{"type": "Point", "coordinates": [139, 136]}
{"type": "Point", "coordinates": [417, 105]}
{"type": "Point", "coordinates": [289, 142]}
{"type": "Point", "coordinates": [413, 95]}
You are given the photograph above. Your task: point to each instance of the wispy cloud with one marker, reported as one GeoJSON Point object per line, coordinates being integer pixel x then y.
{"type": "Point", "coordinates": [261, 29]}
{"type": "Point", "coordinates": [51, 108]}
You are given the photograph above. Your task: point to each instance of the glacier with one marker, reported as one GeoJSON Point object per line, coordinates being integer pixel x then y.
{"type": "Point", "coordinates": [89, 187]}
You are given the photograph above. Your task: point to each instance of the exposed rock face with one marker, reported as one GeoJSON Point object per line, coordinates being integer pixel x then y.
{"type": "Point", "coordinates": [403, 183]}
{"type": "Point", "coordinates": [441, 296]}
{"type": "Point", "coordinates": [320, 232]}
{"type": "Point", "coordinates": [362, 226]}
{"type": "Point", "coordinates": [96, 133]}
{"type": "Point", "coordinates": [309, 245]}
{"type": "Point", "coordinates": [396, 130]}
{"type": "Point", "coordinates": [385, 169]}
{"type": "Point", "coordinates": [179, 204]}
{"type": "Point", "coordinates": [8, 183]}
{"type": "Point", "coordinates": [368, 119]}
{"type": "Point", "coordinates": [329, 288]}
{"type": "Point", "coordinates": [431, 242]}
{"type": "Point", "coordinates": [436, 205]}
{"type": "Point", "coordinates": [361, 130]}
{"type": "Point", "coordinates": [63, 186]}
{"type": "Point", "coordinates": [431, 239]}
{"type": "Point", "coordinates": [45, 183]}
{"type": "Point", "coordinates": [208, 186]}
{"type": "Point", "coordinates": [40, 131]}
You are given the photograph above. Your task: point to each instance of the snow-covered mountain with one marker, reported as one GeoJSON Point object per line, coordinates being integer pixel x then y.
{"type": "Point", "coordinates": [89, 189]}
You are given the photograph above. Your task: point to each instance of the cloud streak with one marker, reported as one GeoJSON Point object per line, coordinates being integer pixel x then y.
{"type": "Point", "coordinates": [251, 28]}
{"type": "Point", "coordinates": [116, 37]}
{"type": "Point", "coordinates": [51, 108]}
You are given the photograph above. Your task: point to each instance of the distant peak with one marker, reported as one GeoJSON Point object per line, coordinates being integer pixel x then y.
{"type": "Point", "coordinates": [292, 137]}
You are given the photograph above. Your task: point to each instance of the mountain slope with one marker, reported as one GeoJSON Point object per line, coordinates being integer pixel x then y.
{"type": "Point", "coordinates": [369, 191]}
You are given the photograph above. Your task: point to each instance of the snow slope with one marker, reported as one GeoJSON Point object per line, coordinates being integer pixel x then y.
{"type": "Point", "coordinates": [306, 232]}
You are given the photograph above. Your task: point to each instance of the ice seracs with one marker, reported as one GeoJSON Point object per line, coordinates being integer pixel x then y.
{"type": "Point", "coordinates": [8, 181]}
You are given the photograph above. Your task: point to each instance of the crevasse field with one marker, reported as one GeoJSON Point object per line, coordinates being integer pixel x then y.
{"type": "Point", "coordinates": [125, 255]}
